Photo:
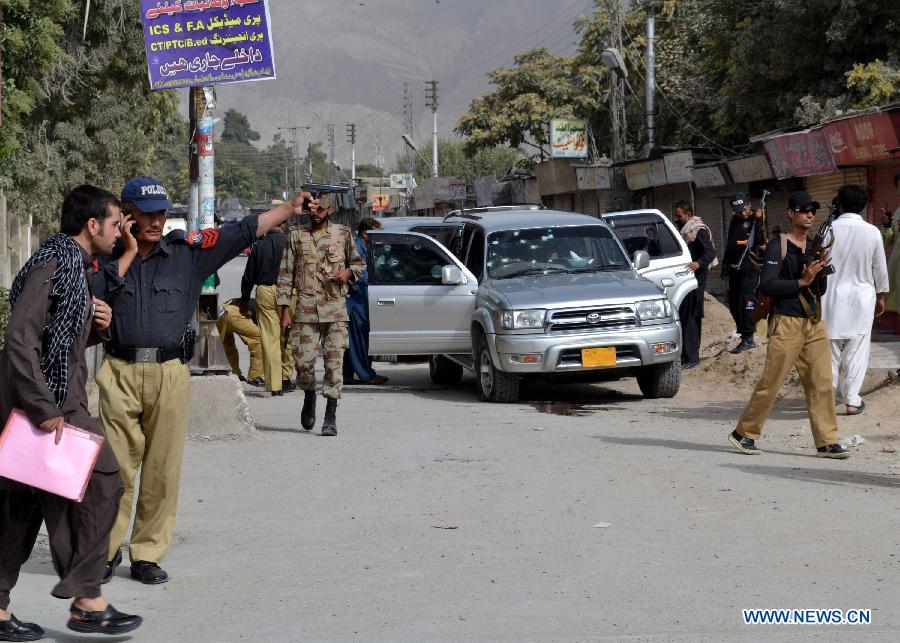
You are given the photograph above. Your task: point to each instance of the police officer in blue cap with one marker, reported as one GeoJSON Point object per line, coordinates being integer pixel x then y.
{"type": "Point", "coordinates": [153, 282]}
{"type": "Point", "coordinates": [745, 236]}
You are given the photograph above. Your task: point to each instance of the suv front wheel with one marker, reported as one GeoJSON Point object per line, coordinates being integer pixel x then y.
{"type": "Point", "coordinates": [660, 381]}
{"type": "Point", "coordinates": [443, 371]}
{"type": "Point", "coordinates": [493, 384]}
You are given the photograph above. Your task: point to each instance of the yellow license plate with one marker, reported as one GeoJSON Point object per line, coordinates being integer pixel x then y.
{"type": "Point", "coordinates": [593, 357]}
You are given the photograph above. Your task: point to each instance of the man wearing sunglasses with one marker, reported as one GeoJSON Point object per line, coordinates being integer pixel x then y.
{"type": "Point", "coordinates": [797, 335]}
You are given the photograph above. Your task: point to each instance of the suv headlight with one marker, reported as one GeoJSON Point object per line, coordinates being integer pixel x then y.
{"type": "Point", "coordinates": [654, 309]}
{"type": "Point", "coordinates": [515, 319]}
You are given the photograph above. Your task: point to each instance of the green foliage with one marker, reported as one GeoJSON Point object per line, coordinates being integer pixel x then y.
{"type": "Point", "coordinates": [725, 71]}
{"type": "Point", "coordinates": [455, 159]}
{"type": "Point", "coordinates": [368, 169]}
{"type": "Point", "coordinates": [81, 109]}
{"type": "Point", "coordinates": [236, 128]}
{"type": "Point", "coordinates": [874, 83]}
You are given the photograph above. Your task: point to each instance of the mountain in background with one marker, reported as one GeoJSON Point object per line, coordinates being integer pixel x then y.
{"type": "Point", "coordinates": [345, 61]}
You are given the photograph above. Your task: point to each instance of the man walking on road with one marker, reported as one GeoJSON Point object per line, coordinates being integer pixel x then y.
{"type": "Point", "coordinates": [703, 257]}
{"type": "Point", "coordinates": [791, 275]}
{"type": "Point", "coordinates": [43, 371]}
{"type": "Point", "coordinates": [356, 358]}
{"type": "Point", "coordinates": [745, 235]}
{"type": "Point", "coordinates": [235, 321]}
{"type": "Point", "coordinates": [319, 261]}
{"type": "Point", "coordinates": [857, 290]}
{"type": "Point", "coordinates": [153, 284]}
{"type": "Point", "coordinates": [262, 271]}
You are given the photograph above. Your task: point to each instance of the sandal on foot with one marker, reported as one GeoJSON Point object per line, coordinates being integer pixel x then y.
{"type": "Point", "coordinates": [109, 621]}
{"type": "Point", "coordinates": [12, 629]}
{"type": "Point", "coordinates": [857, 410]}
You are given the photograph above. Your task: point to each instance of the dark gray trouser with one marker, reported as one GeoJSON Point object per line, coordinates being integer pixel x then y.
{"type": "Point", "coordinates": [79, 533]}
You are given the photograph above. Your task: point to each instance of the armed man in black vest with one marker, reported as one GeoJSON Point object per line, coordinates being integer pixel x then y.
{"type": "Point", "coordinates": [746, 239]}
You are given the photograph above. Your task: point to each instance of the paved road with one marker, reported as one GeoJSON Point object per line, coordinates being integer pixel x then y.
{"type": "Point", "coordinates": [582, 513]}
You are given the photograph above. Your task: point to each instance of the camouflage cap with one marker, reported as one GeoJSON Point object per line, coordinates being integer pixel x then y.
{"type": "Point", "coordinates": [327, 201]}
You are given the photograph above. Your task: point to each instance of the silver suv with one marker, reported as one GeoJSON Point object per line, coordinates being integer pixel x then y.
{"type": "Point", "coordinates": [515, 295]}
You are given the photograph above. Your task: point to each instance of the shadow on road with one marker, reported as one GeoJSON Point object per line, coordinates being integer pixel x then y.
{"type": "Point", "coordinates": [682, 445]}
{"type": "Point", "coordinates": [783, 410]}
{"type": "Point", "coordinates": [822, 476]}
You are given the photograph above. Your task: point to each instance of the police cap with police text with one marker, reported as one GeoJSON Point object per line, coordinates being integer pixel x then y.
{"type": "Point", "coordinates": [147, 194]}
{"type": "Point", "coordinates": [738, 202]}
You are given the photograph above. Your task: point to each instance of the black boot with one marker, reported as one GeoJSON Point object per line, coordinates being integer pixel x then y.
{"type": "Point", "coordinates": [308, 414]}
{"type": "Point", "coordinates": [329, 424]}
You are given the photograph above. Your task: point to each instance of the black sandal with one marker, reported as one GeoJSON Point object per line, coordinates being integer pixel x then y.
{"type": "Point", "coordinates": [109, 621]}
{"type": "Point", "coordinates": [12, 629]}
{"type": "Point", "coordinates": [860, 408]}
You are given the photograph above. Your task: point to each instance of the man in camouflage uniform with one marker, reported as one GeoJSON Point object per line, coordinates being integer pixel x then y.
{"type": "Point", "coordinates": [319, 261]}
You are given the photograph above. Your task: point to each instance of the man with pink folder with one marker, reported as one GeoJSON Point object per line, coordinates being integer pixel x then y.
{"type": "Point", "coordinates": [54, 317]}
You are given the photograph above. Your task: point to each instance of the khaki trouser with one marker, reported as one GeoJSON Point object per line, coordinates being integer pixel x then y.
{"type": "Point", "coordinates": [278, 359]}
{"type": "Point", "coordinates": [234, 323]}
{"type": "Point", "coordinates": [799, 342]}
{"type": "Point", "coordinates": [143, 411]}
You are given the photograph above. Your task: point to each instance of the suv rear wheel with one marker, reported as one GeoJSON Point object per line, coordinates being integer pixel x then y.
{"type": "Point", "coordinates": [444, 371]}
{"type": "Point", "coordinates": [493, 384]}
{"type": "Point", "coordinates": [660, 381]}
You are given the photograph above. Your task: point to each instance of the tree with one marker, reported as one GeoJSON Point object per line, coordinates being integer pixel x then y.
{"type": "Point", "coordinates": [235, 180]}
{"type": "Point", "coordinates": [81, 109]}
{"type": "Point", "coordinates": [539, 87]}
{"type": "Point", "coordinates": [236, 128]}
{"type": "Point", "coordinates": [368, 169]}
{"type": "Point", "coordinates": [455, 159]}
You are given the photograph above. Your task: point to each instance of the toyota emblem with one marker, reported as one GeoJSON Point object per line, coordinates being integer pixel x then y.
{"type": "Point", "coordinates": [593, 318]}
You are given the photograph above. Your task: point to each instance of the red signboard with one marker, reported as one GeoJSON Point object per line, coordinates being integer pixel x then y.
{"type": "Point", "coordinates": [862, 139]}
{"type": "Point", "coordinates": [801, 154]}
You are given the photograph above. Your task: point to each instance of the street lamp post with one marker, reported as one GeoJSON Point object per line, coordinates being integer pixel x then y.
{"type": "Point", "coordinates": [412, 146]}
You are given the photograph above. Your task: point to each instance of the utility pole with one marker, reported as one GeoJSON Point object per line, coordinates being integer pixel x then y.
{"type": "Point", "coordinates": [331, 151]}
{"type": "Point", "coordinates": [651, 79]}
{"type": "Point", "coordinates": [431, 100]}
{"type": "Point", "coordinates": [351, 138]}
{"type": "Point", "coordinates": [408, 122]}
{"type": "Point", "coordinates": [295, 152]}
{"type": "Point", "coordinates": [617, 104]}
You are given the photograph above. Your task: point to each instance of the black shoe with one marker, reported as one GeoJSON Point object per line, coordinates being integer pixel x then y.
{"type": "Point", "coordinates": [277, 393]}
{"type": "Point", "coordinates": [742, 444]}
{"type": "Point", "coordinates": [686, 366]}
{"type": "Point", "coordinates": [834, 451]}
{"type": "Point", "coordinates": [242, 378]}
{"type": "Point", "coordinates": [15, 630]}
{"type": "Point", "coordinates": [308, 414]}
{"type": "Point", "coordinates": [148, 573]}
{"type": "Point", "coordinates": [109, 621]}
{"type": "Point", "coordinates": [288, 385]}
{"type": "Point", "coordinates": [329, 424]}
{"type": "Point", "coordinates": [745, 345]}
{"type": "Point", "coordinates": [257, 381]}
{"type": "Point", "coordinates": [111, 565]}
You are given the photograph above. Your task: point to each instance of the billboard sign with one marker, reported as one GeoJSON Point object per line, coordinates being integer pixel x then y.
{"type": "Point", "coordinates": [801, 154]}
{"type": "Point", "coordinates": [402, 181]}
{"type": "Point", "coordinates": [678, 166]}
{"type": "Point", "coordinates": [192, 43]}
{"type": "Point", "coordinates": [380, 202]}
{"type": "Point", "coordinates": [568, 138]}
{"type": "Point", "coordinates": [750, 168]}
{"type": "Point", "coordinates": [862, 140]}
{"type": "Point", "coordinates": [592, 177]}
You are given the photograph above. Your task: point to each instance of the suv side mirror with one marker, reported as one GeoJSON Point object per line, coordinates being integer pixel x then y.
{"type": "Point", "coordinates": [667, 283]}
{"type": "Point", "coordinates": [641, 259]}
{"type": "Point", "coordinates": [451, 276]}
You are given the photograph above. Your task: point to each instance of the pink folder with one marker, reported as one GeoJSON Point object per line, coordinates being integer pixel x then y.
{"type": "Point", "coordinates": [31, 456]}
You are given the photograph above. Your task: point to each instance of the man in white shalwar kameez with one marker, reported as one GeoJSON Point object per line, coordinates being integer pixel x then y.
{"type": "Point", "coordinates": [855, 295]}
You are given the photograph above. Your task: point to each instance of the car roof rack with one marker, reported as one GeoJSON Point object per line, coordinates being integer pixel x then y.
{"type": "Point", "coordinates": [473, 213]}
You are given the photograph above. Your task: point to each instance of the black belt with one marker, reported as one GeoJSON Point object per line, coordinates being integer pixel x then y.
{"type": "Point", "coordinates": [144, 355]}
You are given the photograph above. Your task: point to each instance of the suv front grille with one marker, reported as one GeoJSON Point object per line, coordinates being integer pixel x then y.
{"type": "Point", "coordinates": [592, 319]}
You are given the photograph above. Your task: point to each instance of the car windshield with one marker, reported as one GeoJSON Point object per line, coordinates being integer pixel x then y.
{"type": "Point", "coordinates": [512, 253]}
